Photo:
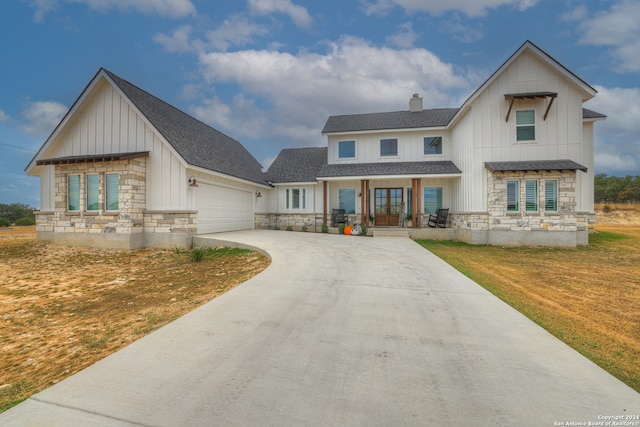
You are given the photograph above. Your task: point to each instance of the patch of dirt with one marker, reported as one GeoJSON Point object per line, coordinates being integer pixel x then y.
{"type": "Point", "coordinates": [64, 308]}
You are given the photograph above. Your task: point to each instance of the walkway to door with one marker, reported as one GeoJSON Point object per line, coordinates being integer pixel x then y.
{"type": "Point", "coordinates": [339, 330]}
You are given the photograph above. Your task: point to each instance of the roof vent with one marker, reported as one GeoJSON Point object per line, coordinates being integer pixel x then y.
{"type": "Point", "coordinates": [415, 103]}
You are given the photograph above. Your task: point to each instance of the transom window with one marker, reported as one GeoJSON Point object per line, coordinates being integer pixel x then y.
{"type": "Point", "coordinates": [389, 147]}
{"type": "Point", "coordinates": [433, 145]}
{"type": "Point", "coordinates": [347, 200]}
{"type": "Point", "coordinates": [346, 149]}
{"type": "Point", "coordinates": [526, 125]}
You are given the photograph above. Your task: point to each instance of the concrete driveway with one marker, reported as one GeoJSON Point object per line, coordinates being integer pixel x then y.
{"type": "Point", "coordinates": [339, 331]}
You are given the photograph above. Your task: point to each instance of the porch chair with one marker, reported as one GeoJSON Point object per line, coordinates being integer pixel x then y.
{"type": "Point", "coordinates": [338, 217]}
{"type": "Point", "coordinates": [439, 219]}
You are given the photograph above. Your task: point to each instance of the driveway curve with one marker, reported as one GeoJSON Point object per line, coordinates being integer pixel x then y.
{"type": "Point", "coordinates": [339, 330]}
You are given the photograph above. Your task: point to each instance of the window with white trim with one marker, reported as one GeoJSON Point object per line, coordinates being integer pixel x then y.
{"type": "Point", "coordinates": [112, 191]}
{"type": "Point", "coordinates": [513, 196]}
{"type": "Point", "coordinates": [526, 125]}
{"type": "Point", "coordinates": [551, 195]}
{"type": "Point", "coordinates": [73, 192]}
{"type": "Point", "coordinates": [389, 147]}
{"type": "Point", "coordinates": [346, 149]}
{"type": "Point", "coordinates": [347, 200]}
{"type": "Point", "coordinates": [531, 195]}
{"type": "Point", "coordinates": [432, 200]}
{"type": "Point", "coordinates": [93, 192]}
{"type": "Point", "coordinates": [296, 198]}
{"type": "Point", "coordinates": [432, 145]}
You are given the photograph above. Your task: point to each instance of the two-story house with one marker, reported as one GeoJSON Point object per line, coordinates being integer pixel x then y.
{"type": "Point", "coordinates": [513, 164]}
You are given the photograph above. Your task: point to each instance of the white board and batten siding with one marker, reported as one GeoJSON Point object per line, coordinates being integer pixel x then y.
{"type": "Point", "coordinates": [107, 123]}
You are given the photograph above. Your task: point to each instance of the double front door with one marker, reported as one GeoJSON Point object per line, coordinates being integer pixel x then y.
{"type": "Point", "coordinates": [388, 202]}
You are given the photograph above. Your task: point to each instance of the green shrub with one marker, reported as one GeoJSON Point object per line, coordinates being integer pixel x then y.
{"type": "Point", "coordinates": [341, 229]}
{"type": "Point", "coordinates": [24, 221]}
{"type": "Point", "coordinates": [364, 230]}
{"type": "Point", "coordinates": [606, 208]}
{"type": "Point", "coordinates": [325, 228]}
{"type": "Point", "coordinates": [289, 228]}
{"type": "Point", "coordinates": [198, 254]}
{"type": "Point", "coordinates": [4, 222]}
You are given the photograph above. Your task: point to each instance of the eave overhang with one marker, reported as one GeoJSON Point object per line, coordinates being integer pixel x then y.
{"type": "Point", "coordinates": [535, 166]}
{"type": "Point", "coordinates": [94, 158]}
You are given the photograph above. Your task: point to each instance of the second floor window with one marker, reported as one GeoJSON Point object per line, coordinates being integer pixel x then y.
{"type": "Point", "coordinates": [433, 145]}
{"type": "Point", "coordinates": [346, 149]}
{"type": "Point", "coordinates": [526, 125]}
{"type": "Point", "coordinates": [389, 147]}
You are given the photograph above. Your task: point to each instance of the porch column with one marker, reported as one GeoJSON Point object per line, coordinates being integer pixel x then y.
{"type": "Point", "coordinates": [367, 203]}
{"type": "Point", "coordinates": [416, 216]}
{"type": "Point", "coordinates": [362, 197]}
{"type": "Point", "coordinates": [324, 202]}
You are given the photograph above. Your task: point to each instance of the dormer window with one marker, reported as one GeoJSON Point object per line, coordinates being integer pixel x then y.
{"type": "Point", "coordinates": [525, 125]}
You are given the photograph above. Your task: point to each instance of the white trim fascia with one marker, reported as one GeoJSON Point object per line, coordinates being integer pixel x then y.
{"type": "Point", "coordinates": [364, 132]}
{"type": "Point", "coordinates": [594, 119]}
{"type": "Point", "coordinates": [293, 184]}
{"type": "Point", "coordinates": [372, 177]}
{"type": "Point", "coordinates": [205, 171]}
{"type": "Point", "coordinates": [65, 120]}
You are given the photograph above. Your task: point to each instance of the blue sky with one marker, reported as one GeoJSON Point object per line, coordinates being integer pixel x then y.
{"type": "Point", "coordinates": [270, 72]}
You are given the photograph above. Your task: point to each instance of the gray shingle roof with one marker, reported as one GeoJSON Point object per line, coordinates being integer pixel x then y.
{"type": "Point", "coordinates": [534, 165]}
{"type": "Point", "coordinates": [199, 144]}
{"type": "Point", "coordinates": [590, 114]}
{"type": "Point", "coordinates": [386, 169]}
{"type": "Point", "coordinates": [297, 165]}
{"type": "Point", "coordinates": [395, 120]}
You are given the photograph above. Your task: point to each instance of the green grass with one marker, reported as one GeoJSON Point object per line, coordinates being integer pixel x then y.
{"type": "Point", "coordinates": [588, 297]}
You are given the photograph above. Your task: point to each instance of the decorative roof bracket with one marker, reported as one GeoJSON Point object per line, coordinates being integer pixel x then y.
{"type": "Point", "coordinates": [530, 95]}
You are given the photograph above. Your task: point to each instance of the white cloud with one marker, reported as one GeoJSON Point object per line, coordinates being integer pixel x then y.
{"type": "Point", "coordinates": [168, 8]}
{"type": "Point", "coordinates": [618, 28]}
{"type": "Point", "coordinates": [435, 7]}
{"type": "Point", "coordinates": [235, 31]}
{"type": "Point", "coordinates": [42, 7]}
{"type": "Point", "coordinates": [290, 96]}
{"type": "Point", "coordinates": [298, 14]}
{"type": "Point", "coordinates": [3, 117]}
{"type": "Point", "coordinates": [41, 117]}
{"type": "Point", "coordinates": [617, 146]}
{"type": "Point", "coordinates": [405, 37]}
{"type": "Point", "coordinates": [177, 41]}
{"type": "Point", "coordinates": [460, 31]}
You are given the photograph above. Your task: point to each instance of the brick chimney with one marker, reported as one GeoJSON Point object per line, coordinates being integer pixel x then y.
{"type": "Point", "coordinates": [415, 103]}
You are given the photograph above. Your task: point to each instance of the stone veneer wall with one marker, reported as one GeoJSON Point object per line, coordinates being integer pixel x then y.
{"type": "Point", "coordinates": [129, 228]}
{"type": "Point", "coordinates": [297, 222]}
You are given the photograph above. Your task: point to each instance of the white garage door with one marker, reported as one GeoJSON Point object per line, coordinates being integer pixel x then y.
{"type": "Point", "coordinates": [223, 209]}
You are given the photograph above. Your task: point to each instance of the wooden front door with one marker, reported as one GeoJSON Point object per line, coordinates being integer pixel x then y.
{"type": "Point", "coordinates": [388, 206]}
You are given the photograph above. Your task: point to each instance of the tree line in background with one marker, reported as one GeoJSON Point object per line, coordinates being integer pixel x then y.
{"type": "Point", "coordinates": [16, 213]}
{"type": "Point", "coordinates": [616, 189]}
{"type": "Point", "coordinates": [608, 189]}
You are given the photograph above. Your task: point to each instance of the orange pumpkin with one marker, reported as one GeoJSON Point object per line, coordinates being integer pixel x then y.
{"type": "Point", "coordinates": [347, 230]}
